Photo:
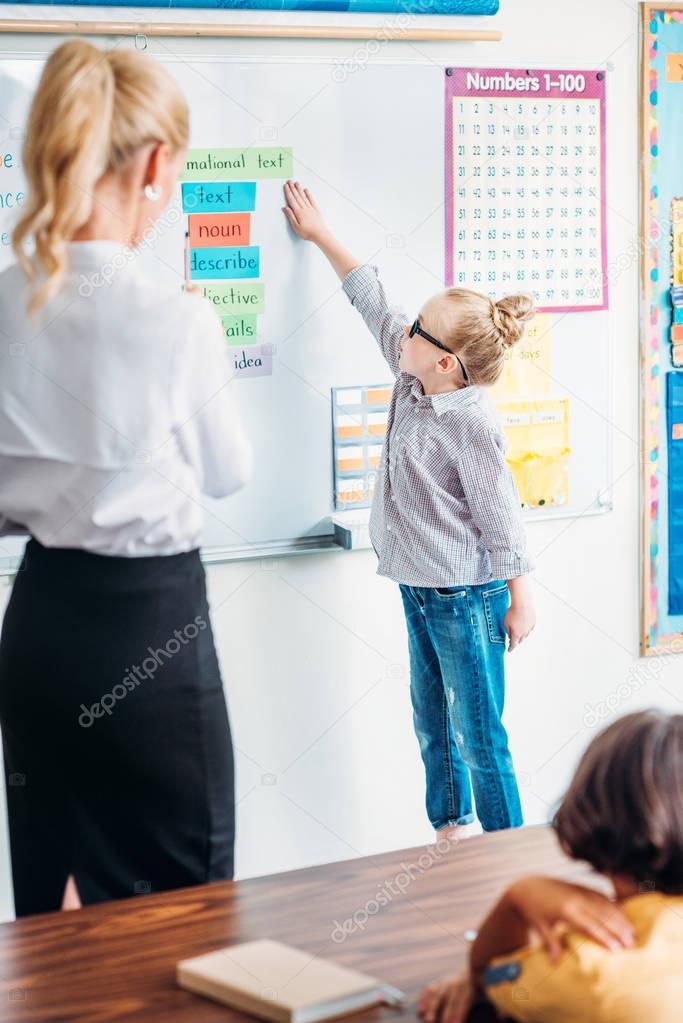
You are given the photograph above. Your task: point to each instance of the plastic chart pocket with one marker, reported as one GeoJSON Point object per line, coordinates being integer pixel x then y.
{"type": "Point", "coordinates": [359, 425]}
{"type": "Point", "coordinates": [538, 450]}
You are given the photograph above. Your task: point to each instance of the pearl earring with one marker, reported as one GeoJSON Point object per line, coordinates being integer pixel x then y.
{"type": "Point", "coordinates": [152, 193]}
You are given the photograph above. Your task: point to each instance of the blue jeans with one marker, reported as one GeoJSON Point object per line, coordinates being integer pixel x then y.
{"type": "Point", "coordinates": [457, 648]}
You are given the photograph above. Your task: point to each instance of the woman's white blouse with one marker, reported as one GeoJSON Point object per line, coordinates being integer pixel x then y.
{"type": "Point", "coordinates": [117, 410]}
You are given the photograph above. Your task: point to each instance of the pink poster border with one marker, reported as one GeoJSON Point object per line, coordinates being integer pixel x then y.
{"type": "Point", "coordinates": [456, 86]}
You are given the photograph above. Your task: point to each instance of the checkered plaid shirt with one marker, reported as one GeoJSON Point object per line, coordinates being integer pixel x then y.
{"type": "Point", "coordinates": [446, 511]}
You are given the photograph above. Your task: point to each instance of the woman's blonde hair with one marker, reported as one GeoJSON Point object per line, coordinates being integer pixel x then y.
{"type": "Point", "coordinates": [92, 111]}
{"type": "Point", "coordinates": [481, 330]}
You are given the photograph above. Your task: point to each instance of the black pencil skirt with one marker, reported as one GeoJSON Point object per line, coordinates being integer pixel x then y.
{"type": "Point", "coordinates": [117, 750]}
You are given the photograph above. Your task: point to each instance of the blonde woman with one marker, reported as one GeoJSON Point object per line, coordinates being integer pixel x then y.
{"type": "Point", "coordinates": [446, 526]}
{"type": "Point", "coordinates": [116, 415]}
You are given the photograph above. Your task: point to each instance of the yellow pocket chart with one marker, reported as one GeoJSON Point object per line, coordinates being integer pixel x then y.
{"type": "Point", "coordinates": [537, 433]}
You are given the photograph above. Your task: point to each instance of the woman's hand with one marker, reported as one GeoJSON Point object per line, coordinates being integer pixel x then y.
{"type": "Point", "coordinates": [449, 1001]}
{"type": "Point", "coordinates": [520, 618]}
{"type": "Point", "coordinates": [545, 903]}
{"type": "Point", "coordinates": [302, 213]}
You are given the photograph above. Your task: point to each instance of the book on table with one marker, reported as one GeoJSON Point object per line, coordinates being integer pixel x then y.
{"type": "Point", "coordinates": [277, 982]}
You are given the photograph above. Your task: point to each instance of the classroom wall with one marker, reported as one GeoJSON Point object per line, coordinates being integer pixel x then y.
{"type": "Point", "coordinates": [313, 648]}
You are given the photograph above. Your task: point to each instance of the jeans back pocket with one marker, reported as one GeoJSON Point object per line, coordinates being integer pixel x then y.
{"type": "Point", "coordinates": [496, 602]}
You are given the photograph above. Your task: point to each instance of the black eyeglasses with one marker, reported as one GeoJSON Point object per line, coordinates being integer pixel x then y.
{"type": "Point", "coordinates": [417, 329]}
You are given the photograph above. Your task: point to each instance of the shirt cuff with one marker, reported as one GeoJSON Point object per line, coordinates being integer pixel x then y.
{"type": "Point", "coordinates": [510, 564]}
{"type": "Point", "coordinates": [362, 280]}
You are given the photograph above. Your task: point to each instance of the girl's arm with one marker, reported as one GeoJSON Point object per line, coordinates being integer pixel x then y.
{"type": "Point", "coordinates": [494, 506]}
{"type": "Point", "coordinates": [360, 282]}
{"type": "Point", "coordinates": [307, 222]}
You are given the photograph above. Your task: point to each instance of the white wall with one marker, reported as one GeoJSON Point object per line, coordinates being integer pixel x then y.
{"type": "Point", "coordinates": [313, 648]}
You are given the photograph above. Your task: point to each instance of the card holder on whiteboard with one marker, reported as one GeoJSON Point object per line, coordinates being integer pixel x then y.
{"type": "Point", "coordinates": [359, 425]}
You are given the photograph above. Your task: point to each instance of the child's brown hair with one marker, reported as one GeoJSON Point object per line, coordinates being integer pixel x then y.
{"type": "Point", "coordinates": [623, 812]}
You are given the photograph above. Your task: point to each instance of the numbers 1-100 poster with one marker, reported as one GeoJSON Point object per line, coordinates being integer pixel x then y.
{"type": "Point", "coordinates": [525, 185]}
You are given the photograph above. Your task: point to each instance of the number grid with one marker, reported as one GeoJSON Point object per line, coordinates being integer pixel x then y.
{"type": "Point", "coordinates": [525, 190]}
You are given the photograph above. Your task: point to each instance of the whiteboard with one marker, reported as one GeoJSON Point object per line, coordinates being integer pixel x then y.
{"type": "Point", "coordinates": [370, 144]}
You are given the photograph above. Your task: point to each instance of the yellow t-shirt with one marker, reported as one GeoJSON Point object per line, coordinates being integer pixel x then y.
{"type": "Point", "coordinates": [591, 984]}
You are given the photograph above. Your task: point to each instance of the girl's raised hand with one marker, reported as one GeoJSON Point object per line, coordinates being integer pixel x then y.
{"type": "Point", "coordinates": [302, 213]}
{"type": "Point", "coordinates": [307, 221]}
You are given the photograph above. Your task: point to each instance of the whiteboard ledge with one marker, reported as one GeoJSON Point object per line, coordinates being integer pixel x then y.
{"type": "Point", "coordinates": [219, 555]}
{"type": "Point", "coordinates": [271, 549]}
{"type": "Point", "coordinates": [352, 529]}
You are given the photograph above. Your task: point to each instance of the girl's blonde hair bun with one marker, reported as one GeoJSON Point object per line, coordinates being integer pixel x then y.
{"type": "Point", "coordinates": [509, 315]}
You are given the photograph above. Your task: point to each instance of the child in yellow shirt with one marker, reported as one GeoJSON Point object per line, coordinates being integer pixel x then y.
{"type": "Point", "coordinates": [599, 960]}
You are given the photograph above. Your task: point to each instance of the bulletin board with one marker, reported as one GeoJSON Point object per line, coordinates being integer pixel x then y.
{"type": "Point", "coordinates": [294, 337]}
{"type": "Point", "coordinates": [662, 328]}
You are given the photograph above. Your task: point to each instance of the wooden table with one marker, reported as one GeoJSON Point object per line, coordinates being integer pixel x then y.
{"type": "Point", "coordinates": [400, 916]}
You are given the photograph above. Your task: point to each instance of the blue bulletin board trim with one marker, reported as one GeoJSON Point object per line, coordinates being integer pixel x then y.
{"type": "Point", "coordinates": [662, 158]}
{"type": "Point", "coordinates": [674, 405]}
{"type": "Point", "coordinates": [381, 6]}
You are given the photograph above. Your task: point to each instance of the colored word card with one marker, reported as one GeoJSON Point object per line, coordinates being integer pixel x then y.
{"type": "Point", "coordinates": [214, 164]}
{"type": "Point", "coordinates": [225, 262]}
{"type": "Point", "coordinates": [359, 425]}
{"type": "Point", "coordinates": [525, 185]}
{"type": "Point", "coordinates": [239, 330]}
{"type": "Point", "coordinates": [537, 433]}
{"type": "Point", "coordinates": [256, 361]}
{"type": "Point", "coordinates": [219, 197]}
{"type": "Point", "coordinates": [219, 229]}
{"type": "Point", "coordinates": [235, 298]}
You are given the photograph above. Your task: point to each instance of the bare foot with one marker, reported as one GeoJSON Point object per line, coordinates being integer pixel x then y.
{"type": "Point", "coordinates": [72, 899]}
